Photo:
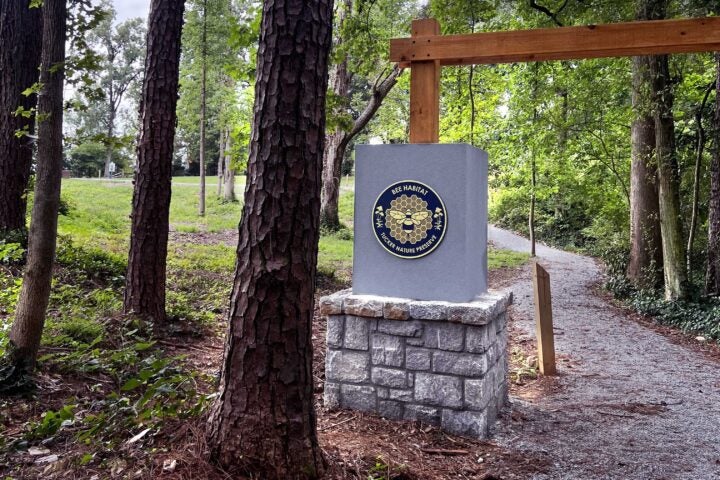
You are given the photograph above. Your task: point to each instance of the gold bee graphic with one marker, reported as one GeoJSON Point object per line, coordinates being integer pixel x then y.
{"type": "Point", "coordinates": [408, 219]}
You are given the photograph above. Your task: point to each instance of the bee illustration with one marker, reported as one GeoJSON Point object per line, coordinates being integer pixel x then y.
{"type": "Point", "coordinates": [408, 219]}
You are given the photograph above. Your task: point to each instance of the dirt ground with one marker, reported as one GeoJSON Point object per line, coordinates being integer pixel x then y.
{"type": "Point", "coordinates": [631, 401]}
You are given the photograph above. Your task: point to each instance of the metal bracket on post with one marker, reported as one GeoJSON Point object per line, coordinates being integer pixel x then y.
{"type": "Point", "coordinates": [425, 89]}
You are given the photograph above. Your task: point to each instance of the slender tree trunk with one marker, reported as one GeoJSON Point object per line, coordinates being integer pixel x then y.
{"type": "Point", "coordinates": [35, 292]}
{"type": "Point", "coordinates": [712, 276]}
{"type": "Point", "coordinates": [145, 282]}
{"type": "Point", "coordinates": [203, 104]}
{"type": "Point", "coordinates": [110, 134]}
{"type": "Point", "coordinates": [263, 422]}
{"type": "Point", "coordinates": [531, 216]}
{"type": "Point", "coordinates": [228, 172]}
{"type": "Point", "coordinates": [645, 266]}
{"type": "Point", "coordinates": [335, 149]}
{"type": "Point", "coordinates": [221, 164]}
{"type": "Point", "coordinates": [699, 152]}
{"type": "Point", "coordinates": [673, 244]}
{"type": "Point", "coordinates": [20, 41]}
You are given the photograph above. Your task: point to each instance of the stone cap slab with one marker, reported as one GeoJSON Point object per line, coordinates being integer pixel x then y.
{"type": "Point", "coordinates": [480, 311]}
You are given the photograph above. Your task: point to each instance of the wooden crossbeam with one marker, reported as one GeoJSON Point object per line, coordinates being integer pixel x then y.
{"type": "Point", "coordinates": [562, 43]}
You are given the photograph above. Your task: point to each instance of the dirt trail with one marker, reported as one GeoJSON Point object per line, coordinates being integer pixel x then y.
{"type": "Point", "coordinates": [628, 404]}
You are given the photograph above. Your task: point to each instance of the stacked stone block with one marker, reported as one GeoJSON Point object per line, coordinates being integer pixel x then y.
{"type": "Point", "coordinates": [440, 363]}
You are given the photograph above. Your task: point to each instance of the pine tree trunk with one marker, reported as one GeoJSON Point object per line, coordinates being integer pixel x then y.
{"type": "Point", "coordinates": [673, 244]}
{"type": "Point", "coordinates": [263, 421]}
{"type": "Point", "coordinates": [645, 266]}
{"type": "Point", "coordinates": [712, 276]}
{"type": "Point", "coordinates": [228, 172]}
{"type": "Point", "coordinates": [145, 283]}
{"type": "Point", "coordinates": [20, 39]}
{"type": "Point", "coordinates": [203, 104]}
{"type": "Point", "coordinates": [35, 292]}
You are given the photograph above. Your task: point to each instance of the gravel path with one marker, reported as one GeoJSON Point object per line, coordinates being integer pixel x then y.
{"type": "Point", "coordinates": [628, 404]}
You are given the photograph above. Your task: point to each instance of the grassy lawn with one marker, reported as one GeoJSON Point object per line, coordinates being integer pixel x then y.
{"type": "Point", "coordinates": [99, 218]}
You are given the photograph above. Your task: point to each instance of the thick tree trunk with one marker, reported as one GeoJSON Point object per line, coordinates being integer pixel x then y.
{"type": "Point", "coordinates": [35, 293]}
{"type": "Point", "coordinates": [673, 244]}
{"type": "Point", "coordinates": [20, 38]}
{"type": "Point", "coordinates": [228, 172]}
{"type": "Point", "coordinates": [203, 108]}
{"type": "Point", "coordinates": [145, 283]}
{"type": "Point", "coordinates": [337, 143]}
{"type": "Point", "coordinates": [645, 266]}
{"type": "Point", "coordinates": [263, 422]}
{"type": "Point", "coordinates": [712, 277]}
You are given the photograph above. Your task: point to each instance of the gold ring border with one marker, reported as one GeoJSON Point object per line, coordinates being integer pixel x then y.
{"type": "Point", "coordinates": [442, 237]}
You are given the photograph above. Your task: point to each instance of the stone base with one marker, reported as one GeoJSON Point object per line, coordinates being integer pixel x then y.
{"type": "Point", "coordinates": [440, 363]}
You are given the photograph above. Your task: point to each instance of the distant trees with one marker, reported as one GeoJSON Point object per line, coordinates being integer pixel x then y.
{"type": "Point", "coordinates": [20, 37]}
{"type": "Point", "coordinates": [360, 80]}
{"type": "Point", "coordinates": [263, 421]}
{"type": "Point", "coordinates": [146, 274]}
{"type": "Point", "coordinates": [32, 304]}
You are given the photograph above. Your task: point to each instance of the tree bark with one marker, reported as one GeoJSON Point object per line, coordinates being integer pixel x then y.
{"type": "Point", "coordinates": [712, 276]}
{"type": "Point", "coordinates": [336, 144]}
{"type": "Point", "coordinates": [19, 60]}
{"type": "Point", "coordinates": [228, 172]}
{"type": "Point", "coordinates": [145, 282]}
{"type": "Point", "coordinates": [673, 244]}
{"type": "Point", "coordinates": [32, 304]}
{"type": "Point", "coordinates": [263, 422]}
{"type": "Point", "coordinates": [221, 164]}
{"type": "Point", "coordinates": [203, 108]}
{"type": "Point", "coordinates": [645, 266]}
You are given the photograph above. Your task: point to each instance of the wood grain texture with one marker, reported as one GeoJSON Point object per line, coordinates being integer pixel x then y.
{"type": "Point", "coordinates": [543, 320]}
{"type": "Point", "coordinates": [564, 43]}
{"type": "Point", "coordinates": [425, 90]}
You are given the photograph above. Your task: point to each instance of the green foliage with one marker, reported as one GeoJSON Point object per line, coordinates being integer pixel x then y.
{"type": "Point", "coordinates": [51, 421]}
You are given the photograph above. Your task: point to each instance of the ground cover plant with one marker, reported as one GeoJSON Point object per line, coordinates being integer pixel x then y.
{"type": "Point", "coordinates": [113, 394]}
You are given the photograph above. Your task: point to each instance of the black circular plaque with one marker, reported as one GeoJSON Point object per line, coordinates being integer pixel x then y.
{"type": "Point", "coordinates": [409, 219]}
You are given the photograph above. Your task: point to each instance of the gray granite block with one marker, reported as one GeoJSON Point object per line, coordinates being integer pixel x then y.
{"type": "Point", "coordinates": [363, 305]}
{"type": "Point", "coordinates": [429, 310]}
{"type": "Point", "coordinates": [422, 413]}
{"type": "Point", "coordinates": [331, 395]}
{"type": "Point", "coordinates": [400, 328]}
{"type": "Point", "coordinates": [445, 336]}
{"type": "Point", "coordinates": [387, 350]}
{"type": "Point", "coordinates": [473, 424]}
{"type": "Point", "coordinates": [356, 333]}
{"type": "Point", "coordinates": [418, 358]}
{"type": "Point", "coordinates": [396, 309]}
{"type": "Point", "coordinates": [442, 390]}
{"type": "Point", "coordinates": [348, 366]}
{"type": "Point", "coordinates": [476, 339]}
{"type": "Point", "coordinates": [335, 330]}
{"type": "Point", "coordinates": [359, 397]}
{"type": "Point", "coordinates": [389, 377]}
{"type": "Point", "coordinates": [479, 393]}
{"type": "Point", "coordinates": [390, 409]}
{"type": "Point", "coordinates": [404, 395]}
{"type": "Point", "coordinates": [465, 364]}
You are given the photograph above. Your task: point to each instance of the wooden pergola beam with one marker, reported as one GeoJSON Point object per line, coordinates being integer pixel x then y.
{"type": "Point", "coordinates": [563, 43]}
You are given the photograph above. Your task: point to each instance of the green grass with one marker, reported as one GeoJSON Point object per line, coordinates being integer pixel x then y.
{"type": "Point", "coordinates": [498, 258]}
{"type": "Point", "coordinates": [100, 212]}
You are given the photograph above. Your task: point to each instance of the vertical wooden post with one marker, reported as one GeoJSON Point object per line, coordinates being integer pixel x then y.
{"type": "Point", "coordinates": [425, 90]}
{"type": "Point", "coordinates": [543, 320]}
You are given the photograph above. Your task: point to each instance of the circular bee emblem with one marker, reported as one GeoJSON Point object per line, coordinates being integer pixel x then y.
{"type": "Point", "coordinates": [409, 219]}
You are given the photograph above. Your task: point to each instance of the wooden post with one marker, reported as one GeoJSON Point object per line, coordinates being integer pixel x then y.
{"type": "Point", "coordinates": [425, 90]}
{"type": "Point", "coordinates": [543, 321]}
